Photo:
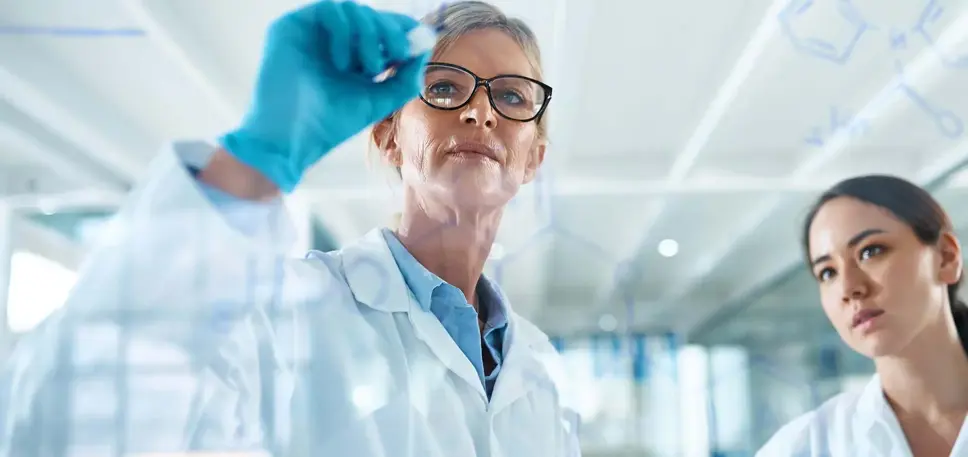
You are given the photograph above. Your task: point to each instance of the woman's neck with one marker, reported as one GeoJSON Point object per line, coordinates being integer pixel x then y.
{"type": "Point", "coordinates": [927, 378]}
{"type": "Point", "coordinates": [454, 246]}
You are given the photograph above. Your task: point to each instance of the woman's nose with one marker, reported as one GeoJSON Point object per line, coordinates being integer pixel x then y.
{"type": "Point", "coordinates": [479, 111]}
{"type": "Point", "coordinates": [855, 283]}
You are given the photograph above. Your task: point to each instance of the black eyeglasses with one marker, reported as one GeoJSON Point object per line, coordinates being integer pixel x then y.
{"type": "Point", "coordinates": [518, 98]}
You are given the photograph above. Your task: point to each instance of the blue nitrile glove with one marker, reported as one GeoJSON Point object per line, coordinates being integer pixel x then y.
{"type": "Point", "coordinates": [315, 86]}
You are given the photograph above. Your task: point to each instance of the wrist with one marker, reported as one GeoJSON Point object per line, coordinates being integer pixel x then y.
{"type": "Point", "coordinates": [228, 174]}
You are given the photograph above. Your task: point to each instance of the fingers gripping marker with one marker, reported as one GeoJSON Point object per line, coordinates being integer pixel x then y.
{"type": "Point", "coordinates": [422, 40]}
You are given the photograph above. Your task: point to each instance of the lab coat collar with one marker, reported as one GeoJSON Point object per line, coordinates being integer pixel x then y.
{"type": "Point", "coordinates": [421, 281]}
{"type": "Point", "coordinates": [370, 261]}
{"type": "Point", "coordinates": [376, 281]}
{"type": "Point", "coordinates": [373, 275]}
{"type": "Point", "coordinates": [871, 405]}
{"type": "Point", "coordinates": [876, 426]}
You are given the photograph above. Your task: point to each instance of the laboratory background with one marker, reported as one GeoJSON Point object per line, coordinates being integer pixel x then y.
{"type": "Point", "coordinates": [660, 245]}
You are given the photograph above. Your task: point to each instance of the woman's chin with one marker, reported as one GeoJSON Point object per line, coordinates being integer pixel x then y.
{"type": "Point", "coordinates": [880, 344]}
{"type": "Point", "coordinates": [483, 189]}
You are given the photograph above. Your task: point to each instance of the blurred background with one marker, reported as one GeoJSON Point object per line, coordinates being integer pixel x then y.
{"type": "Point", "coordinates": [660, 245]}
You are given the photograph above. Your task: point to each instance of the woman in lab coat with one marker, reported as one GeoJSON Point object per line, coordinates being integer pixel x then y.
{"type": "Point", "coordinates": [187, 332]}
{"type": "Point", "coordinates": [888, 265]}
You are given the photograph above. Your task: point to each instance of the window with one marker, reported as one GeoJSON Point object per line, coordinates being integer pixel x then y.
{"type": "Point", "coordinates": [38, 287]}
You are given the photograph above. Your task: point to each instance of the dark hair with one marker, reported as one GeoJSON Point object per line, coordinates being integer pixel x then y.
{"type": "Point", "coordinates": [912, 205]}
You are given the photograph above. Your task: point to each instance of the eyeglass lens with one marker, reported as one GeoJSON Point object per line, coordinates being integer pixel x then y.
{"type": "Point", "coordinates": [513, 96]}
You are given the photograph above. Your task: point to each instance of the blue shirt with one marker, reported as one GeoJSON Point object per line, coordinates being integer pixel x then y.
{"type": "Point", "coordinates": [454, 312]}
{"type": "Point", "coordinates": [445, 301]}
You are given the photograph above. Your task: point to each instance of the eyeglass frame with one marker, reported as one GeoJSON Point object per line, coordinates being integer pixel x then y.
{"type": "Point", "coordinates": [486, 82]}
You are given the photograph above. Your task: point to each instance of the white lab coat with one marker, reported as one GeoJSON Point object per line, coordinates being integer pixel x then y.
{"type": "Point", "coordinates": [851, 424]}
{"type": "Point", "coordinates": [216, 319]}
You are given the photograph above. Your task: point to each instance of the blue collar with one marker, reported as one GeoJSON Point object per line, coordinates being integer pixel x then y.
{"type": "Point", "coordinates": [423, 283]}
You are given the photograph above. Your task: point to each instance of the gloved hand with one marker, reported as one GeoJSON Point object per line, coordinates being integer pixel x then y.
{"type": "Point", "coordinates": [315, 86]}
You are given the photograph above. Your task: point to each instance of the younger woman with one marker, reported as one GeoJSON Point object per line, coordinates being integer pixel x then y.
{"type": "Point", "coordinates": [888, 265]}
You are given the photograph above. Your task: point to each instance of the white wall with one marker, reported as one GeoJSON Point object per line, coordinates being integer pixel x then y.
{"type": "Point", "coordinates": [37, 264]}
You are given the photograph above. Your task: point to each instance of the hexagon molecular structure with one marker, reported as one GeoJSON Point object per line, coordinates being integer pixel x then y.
{"type": "Point", "coordinates": [934, 21]}
{"type": "Point", "coordinates": [828, 30]}
{"type": "Point", "coordinates": [800, 395]}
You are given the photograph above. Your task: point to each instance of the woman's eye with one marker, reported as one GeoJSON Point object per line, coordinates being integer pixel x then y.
{"type": "Point", "coordinates": [871, 251]}
{"type": "Point", "coordinates": [512, 97]}
{"type": "Point", "coordinates": [825, 274]}
{"type": "Point", "coordinates": [442, 88]}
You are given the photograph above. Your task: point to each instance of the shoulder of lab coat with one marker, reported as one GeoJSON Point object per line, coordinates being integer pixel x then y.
{"type": "Point", "coordinates": [840, 426]}
{"type": "Point", "coordinates": [171, 277]}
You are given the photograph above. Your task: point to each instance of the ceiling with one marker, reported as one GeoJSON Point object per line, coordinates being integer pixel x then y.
{"type": "Point", "coordinates": [710, 123]}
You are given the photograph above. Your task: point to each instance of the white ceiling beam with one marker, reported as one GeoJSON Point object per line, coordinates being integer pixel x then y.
{"type": "Point", "coordinates": [687, 158]}
{"type": "Point", "coordinates": [164, 30]}
{"type": "Point", "coordinates": [63, 167]}
{"type": "Point", "coordinates": [919, 72]}
{"type": "Point", "coordinates": [72, 201]}
{"type": "Point", "coordinates": [34, 103]}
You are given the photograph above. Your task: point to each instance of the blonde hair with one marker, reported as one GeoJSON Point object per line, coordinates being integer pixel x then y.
{"type": "Point", "coordinates": [456, 19]}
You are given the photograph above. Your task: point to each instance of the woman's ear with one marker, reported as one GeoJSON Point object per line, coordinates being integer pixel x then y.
{"type": "Point", "coordinates": [535, 158]}
{"type": "Point", "coordinates": [384, 135]}
{"type": "Point", "coordinates": [951, 263]}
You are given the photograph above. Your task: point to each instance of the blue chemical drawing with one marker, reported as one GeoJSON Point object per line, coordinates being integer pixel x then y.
{"type": "Point", "coordinates": [839, 51]}
{"type": "Point", "coordinates": [930, 18]}
{"type": "Point", "coordinates": [898, 39]}
{"type": "Point", "coordinates": [928, 27]}
{"type": "Point", "coordinates": [70, 32]}
{"type": "Point", "coordinates": [946, 121]}
{"type": "Point", "coordinates": [840, 122]}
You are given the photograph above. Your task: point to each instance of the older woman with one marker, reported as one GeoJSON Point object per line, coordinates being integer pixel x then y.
{"type": "Point", "coordinates": [397, 344]}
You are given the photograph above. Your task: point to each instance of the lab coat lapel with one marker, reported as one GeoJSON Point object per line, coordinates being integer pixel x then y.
{"type": "Point", "coordinates": [429, 330]}
{"type": "Point", "coordinates": [878, 431]}
{"type": "Point", "coordinates": [522, 370]}
{"type": "Point", "coordinates": [375, 281]}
